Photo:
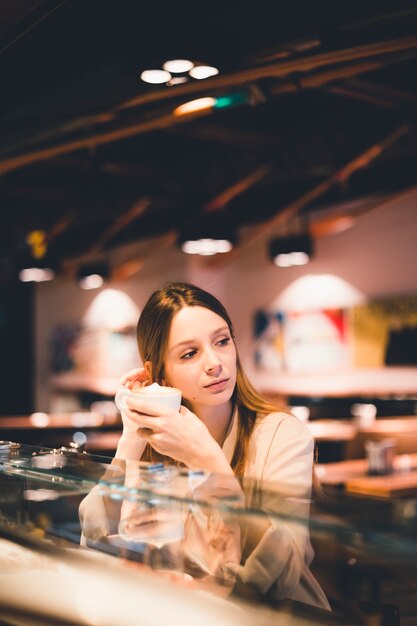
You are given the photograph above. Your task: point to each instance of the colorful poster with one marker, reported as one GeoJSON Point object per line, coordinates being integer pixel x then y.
{"type": "Point", "coordinates": [316, 341]}
{"type": "Point", "coordinates": [269, 348]}
{"type": "Point", "coordinates": [377, 334]}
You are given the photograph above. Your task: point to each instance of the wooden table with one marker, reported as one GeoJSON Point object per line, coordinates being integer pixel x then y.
{"type": "Point", "coordinates": [352, 477]}
{"type": "Point", "coordinates": [332, 430]}
{"type": "Point", "coordinates": [79, 419]}
{"type": "Point", "coordinates": [53, 430]}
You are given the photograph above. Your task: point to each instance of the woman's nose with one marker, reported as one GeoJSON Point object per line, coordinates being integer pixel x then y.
{"type": "Point", "coordinates": [213, 364]}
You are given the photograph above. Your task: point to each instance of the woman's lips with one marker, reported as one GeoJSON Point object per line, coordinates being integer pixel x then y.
{"type": "Point", "coordinates": [218, 385]}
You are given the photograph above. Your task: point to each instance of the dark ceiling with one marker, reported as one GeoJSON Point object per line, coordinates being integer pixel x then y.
{"type": "Point", "coordinates": [326, 104]}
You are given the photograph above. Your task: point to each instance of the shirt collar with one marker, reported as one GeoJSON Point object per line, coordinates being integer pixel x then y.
{"type": "Point", "coordinates": [231, 437]}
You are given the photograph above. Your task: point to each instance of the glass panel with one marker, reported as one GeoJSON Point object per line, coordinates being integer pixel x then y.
{"type": "Point", "coordinates": [206, 532]}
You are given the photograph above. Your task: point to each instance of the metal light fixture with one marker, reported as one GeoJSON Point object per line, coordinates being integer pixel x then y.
{"type": "Point", "coordinates": [178, 66]}
{"type": "Point", "coordinates": [200, 72]}
{"type": "Point", "coordinates": [156, 76]}
{"type": "Point", "coordinates": [92, 275]}
{"type": "Point", "coordinates": [208, 236]}
{"type": "Point", "coordinates": [35, 263]}
{"type": "Point", "coordinates": [289, 251]}
{"type": "Point", "coordinates": [36, 271]}
{"type": "Point", "coordinates": [182, 69]}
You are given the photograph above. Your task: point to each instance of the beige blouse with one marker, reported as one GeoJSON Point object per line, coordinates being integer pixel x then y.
{"type": "Point", "coordinates": [278, 481]}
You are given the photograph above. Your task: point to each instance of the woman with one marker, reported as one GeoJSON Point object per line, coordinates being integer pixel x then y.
{"type": "Point", "coordinates": [186, 340]}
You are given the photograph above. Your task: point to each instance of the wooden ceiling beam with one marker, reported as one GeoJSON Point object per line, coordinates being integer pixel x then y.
{"type": "Point", "coordinates": [39, 194]}
{"type": "Point", "coordinates": [229, 136]}
{"type": "Point", "coordinates": [70, 266]}
{"type": "Point", "coordinates": [60, 226]}
{"type": "Point", "coordinates": [160, 122]}
{"type": "Point", "coordinates": [276, 70]}
{"type": "Point", "coordinates": [341, 221]}
{"type": "Point", "coordinates": [134, 265]}
{"type": "Point", "coordinates": [129, 268]}
{"type": "Point", "coordinates": [19, 18]}
{"type": "Point", "coordinates": [321, 78]}
{"type": "Point", "coordinates": [242, 185]}
{"type": "Point", "coordinates": [383, 49]}
{"type": "Point", "coordinates": [119, 224]}
{"type": "Point", "coordinates": [380, 95]}
{"type": "Point", "coordinates": [285, 51]}
{"type": "Point", "coordinates": [294, 208]}
{"type": "Point", "coordinates": [396, 94]}
{"type": "Point", "coordinates": [107, 167]}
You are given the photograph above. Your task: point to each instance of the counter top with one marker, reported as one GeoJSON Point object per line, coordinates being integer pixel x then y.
{"type": "Point", "coordinates": [353, 477]}
{"type": "Point", "coordinates": [366, 381]}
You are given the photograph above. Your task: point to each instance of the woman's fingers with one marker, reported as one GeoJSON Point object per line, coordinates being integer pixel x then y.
{"type": "Point", "coordinates": [145, 433]}
{"type": "Point", "coordinates": [144, 421]}
{"type": "Point", "coordinates": [137, 375]}
{"type": "Point", "coordinates": [134, 403]}
{"type": "Point", "coordinates": [130, 374]}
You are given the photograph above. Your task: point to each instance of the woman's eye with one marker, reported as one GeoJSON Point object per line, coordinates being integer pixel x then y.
{"type": "Point", "coordinates": [188, 355]}
{"type": "Point", "coordinates": [224, 341]}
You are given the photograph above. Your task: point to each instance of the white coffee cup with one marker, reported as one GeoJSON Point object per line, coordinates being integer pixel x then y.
{"type": "Point", "coordinates": [169, 396]}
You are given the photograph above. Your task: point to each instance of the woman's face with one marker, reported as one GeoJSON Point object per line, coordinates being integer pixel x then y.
{"type": "Point", "coordinates": [201, 357]}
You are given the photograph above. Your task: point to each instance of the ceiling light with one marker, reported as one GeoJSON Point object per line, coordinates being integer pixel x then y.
{"type": "Point", "coordinates": [207, 246]}
{"type": "Point", "coordinates": [203, 71]}
{"type": "Point", "coordinates": [155, 77]}
{"type": "Point", "coordinates": [290, 251]}
{"type": "Point", "coordinates": [92, 276]}
{"type": "Point", "coordinates": [35, 263]}
{"type": "Point", "coordinates": [177, 66]}
{"type": "Point", "coordinates": [195, 105]}
{"type": "Point", "coordinates": [36, 274]}
{"type": "Point", "coordinates": [223, 102]}
{"type": "Point", "coordinates": [92, 281]}
{"type": "Point", "coordinates": [231, 100]}
{"type": "Point", "coordinates": [210, 235]}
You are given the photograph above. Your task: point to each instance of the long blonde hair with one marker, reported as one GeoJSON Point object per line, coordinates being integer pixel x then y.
{"type": "Point", "coordinates": [152, 335]}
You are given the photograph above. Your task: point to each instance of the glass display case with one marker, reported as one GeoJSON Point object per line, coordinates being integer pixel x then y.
{"type": "Point", "coordinates": [90, 540]}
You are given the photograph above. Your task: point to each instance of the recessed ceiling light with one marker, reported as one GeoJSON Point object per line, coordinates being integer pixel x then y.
{"type": "Point", "coordinates": [93, 281]}
{"type": "Point", "coordinates": [93, 275]}
{"type": "Point", "coordinates": [207, 235]}
{"type": "Point", "coordinates": [292, 250]}
{"type": "Point", "coordinates": [36, 274]}
{"type": "Point", "coordinates": [291, 258]}
{"type": "Point", "coordinates": [155, 77]}
{"type": "Point", "coordinates": [206, 246]}
{"type": "Point", "coordinates": [203, 71]}
{"type": "Point", "coordinates": [177, 66]}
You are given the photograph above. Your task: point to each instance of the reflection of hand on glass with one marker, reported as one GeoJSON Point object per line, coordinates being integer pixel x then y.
{"type": "Point", "coordinates": [153, 521]}
{"type": "Point", "coordinates": [150, 512]}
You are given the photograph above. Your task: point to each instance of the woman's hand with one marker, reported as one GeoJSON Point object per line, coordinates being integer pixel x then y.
{"type": "Point", "coordinates": [132, 380]}
{"type": "Point", "coordinates": [180, 435]}
{"type": "Point", "coordinates": [131, 445]}
{"type": "Point", "coordinates": [137, 377]}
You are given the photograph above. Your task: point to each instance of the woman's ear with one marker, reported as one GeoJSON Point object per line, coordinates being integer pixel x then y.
{"type": "Point", "coordinates": [148, 369]}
